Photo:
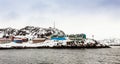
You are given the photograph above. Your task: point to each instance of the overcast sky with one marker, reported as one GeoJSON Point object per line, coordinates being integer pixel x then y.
{"type": "Point", "coordinates": [100, 18]}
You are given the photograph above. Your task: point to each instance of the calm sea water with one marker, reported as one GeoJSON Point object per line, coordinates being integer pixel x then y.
{"type": "Point", "coordinates": [60, 56]}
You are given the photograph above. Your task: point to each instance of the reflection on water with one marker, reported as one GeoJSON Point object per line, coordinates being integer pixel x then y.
{"type": "Point", "coordinates": [60, 56]}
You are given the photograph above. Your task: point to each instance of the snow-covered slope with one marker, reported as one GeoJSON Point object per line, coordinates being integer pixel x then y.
{"type": "Point", "coordinates": [32, 31]}
{"type": "Point", "coordinates": [114, 41]}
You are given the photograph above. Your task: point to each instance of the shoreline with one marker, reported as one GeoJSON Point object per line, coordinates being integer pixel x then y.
{"type": "Point", "coordinates": [55, 47]}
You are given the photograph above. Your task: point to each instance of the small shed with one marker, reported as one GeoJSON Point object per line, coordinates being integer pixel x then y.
{"type": "Point", "coordinates": [38, 40]}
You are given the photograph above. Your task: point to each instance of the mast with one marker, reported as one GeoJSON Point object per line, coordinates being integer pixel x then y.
{"type": "Point", "coordinates": [54, 25]}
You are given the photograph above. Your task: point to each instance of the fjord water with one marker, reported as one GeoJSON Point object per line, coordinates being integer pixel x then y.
{"type": "Point", "coordinates": [60, 56]}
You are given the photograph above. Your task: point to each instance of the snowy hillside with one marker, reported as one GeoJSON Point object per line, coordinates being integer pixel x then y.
{"type": "Point", "coordinates": [32, 31]}
{"type": "Point", "coordinates": [113, 41]}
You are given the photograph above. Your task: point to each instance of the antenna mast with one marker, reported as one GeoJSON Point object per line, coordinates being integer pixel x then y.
{"type": "Point", "coordinates": [54, 24]}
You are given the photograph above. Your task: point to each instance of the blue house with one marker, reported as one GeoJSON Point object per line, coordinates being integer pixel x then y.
{"type": "Point", "coordinates": [58, 38]}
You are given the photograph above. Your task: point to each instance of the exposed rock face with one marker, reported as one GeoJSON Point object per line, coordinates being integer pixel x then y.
{"type": "Point", "coordinates": [32, 31]}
